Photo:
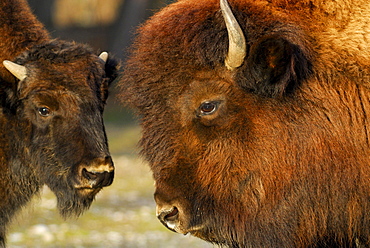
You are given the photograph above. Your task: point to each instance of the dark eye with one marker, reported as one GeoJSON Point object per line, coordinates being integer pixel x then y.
{"type": "Point", "coordinates": [44, 111]}
{"type": "Point", "coordinates": [208, 108]}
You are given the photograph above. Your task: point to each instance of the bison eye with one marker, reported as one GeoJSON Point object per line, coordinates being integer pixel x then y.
{"type": "Point", "coordinates": [44, 111]}
{"type": "Point", "coordinates": [208, 108]}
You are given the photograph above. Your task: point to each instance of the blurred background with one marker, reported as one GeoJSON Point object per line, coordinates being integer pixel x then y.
{"type": "Point", "coordinates": [123, 215]}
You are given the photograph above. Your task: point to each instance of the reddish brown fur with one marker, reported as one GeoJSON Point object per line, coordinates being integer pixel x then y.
{"type": "Point", "coordinates": [283, 162]}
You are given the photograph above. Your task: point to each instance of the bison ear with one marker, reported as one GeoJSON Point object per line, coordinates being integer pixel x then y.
{"type": "Point", "coordinates": [112, 67]}
{"type": "Point", "coordinates": [274, 67]}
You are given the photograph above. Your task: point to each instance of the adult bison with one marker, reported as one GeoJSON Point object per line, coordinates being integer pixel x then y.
{"type": "Point", "coordinates": [255, 118]}
{"type": "Point", "coordinates": [51, 128]}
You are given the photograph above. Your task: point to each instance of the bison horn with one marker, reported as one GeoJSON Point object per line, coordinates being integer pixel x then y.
{"type": "Point", "coordinates": [104, 56]}
{"type": "Point", "coordinates": [19, 71]}
{"type": "Point", "coordinates": [237, 44]}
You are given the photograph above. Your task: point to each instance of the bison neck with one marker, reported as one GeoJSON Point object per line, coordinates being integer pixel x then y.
{"type": "Point", "coordinates": [18, 180]}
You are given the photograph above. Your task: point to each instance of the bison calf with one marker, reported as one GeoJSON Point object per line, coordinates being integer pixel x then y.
{"type": "Point", "coordinates": [51, 129]}
{"type": "Point", "coordinates": [255, 117]}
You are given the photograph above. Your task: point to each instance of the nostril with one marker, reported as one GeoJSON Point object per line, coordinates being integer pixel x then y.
{"type": "Point", "coordinates": [89, 175]}
{"type": "Point", "coordinates": [98, 179]}
{"type": "Point", "coordinates": [170, 215]}
{"type": "Point", "coordinates": [173, 215]}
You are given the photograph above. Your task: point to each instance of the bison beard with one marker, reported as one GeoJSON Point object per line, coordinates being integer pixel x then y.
{"type": "Point", "coordinates": [71, 203]}
{"type": "Point", "coordinates": [270, 149]}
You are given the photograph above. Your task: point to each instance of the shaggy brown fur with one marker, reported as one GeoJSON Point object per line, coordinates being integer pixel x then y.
{"type": "Point", "coordinates": [273, 154]}
{"type": "Point", "coordinates": [51, 127]}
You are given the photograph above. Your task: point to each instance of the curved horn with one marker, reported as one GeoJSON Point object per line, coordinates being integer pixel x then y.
{"type": "Point", "coordinates": [19, 71]}
{"type": "Point", "coordinates": [237, 43]}
{"type": "Point", "coordinates": [104, 56]}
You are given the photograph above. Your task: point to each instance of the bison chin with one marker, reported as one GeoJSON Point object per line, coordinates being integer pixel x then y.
{"type": "Point", "coordinates": [75, 184]}
{"type": "Point", "coordinates": [72, 202]}
{"type": "Point", "coordinates": [180, 221]}
{"type": "Point", "coordinates": [76, 191]}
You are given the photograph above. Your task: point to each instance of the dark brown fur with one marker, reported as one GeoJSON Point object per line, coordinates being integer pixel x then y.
{"type": "Point", "coordinates": [66, 148]}
{"type": "Point", "coordinates": [284, 160]}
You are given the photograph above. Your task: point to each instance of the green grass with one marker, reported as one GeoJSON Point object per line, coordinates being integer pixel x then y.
{"type": "Point", "coordinates": [123, 215]}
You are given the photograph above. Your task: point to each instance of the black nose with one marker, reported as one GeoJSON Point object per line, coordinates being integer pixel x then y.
{"type": "Point", "coordinates": [100, 173]}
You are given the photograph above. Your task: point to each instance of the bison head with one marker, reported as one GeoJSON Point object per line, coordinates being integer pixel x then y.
{"type": "Point", "coordinates": [54, 110]}
{"type": "Point", "coordinates": [245, 139]}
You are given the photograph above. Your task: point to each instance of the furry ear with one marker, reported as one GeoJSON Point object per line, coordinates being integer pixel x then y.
{"type": "Point", "coordinates": [275, 66]}
{"type": "Point", "coordinates": [9, 96]}
{"type": "Point", "coordinates": [112, 67]}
